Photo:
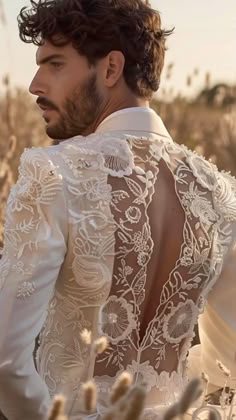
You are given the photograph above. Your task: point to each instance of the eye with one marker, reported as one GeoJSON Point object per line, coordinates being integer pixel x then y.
{"type": "Point", "coordinates": [56, 64]}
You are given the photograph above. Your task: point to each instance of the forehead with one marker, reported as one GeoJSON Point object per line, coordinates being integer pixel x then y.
{"type": "Point", "coordinates": [48, 49]}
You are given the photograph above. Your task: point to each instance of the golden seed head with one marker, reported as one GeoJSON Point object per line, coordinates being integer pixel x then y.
{"type": "Point", "coordinates": [121, 386]}
{"type": "Point", "coordinates": [57, 408]}
{"type": "Point", "coordinates": [205, 377]}
{"type": "Point", "coordinates": [90, 396]}
{"type": "Point", "coordinates": [223, 368]}
{"type": "Point", "coordinates": [86, 337]}
{"type": "Point", "coordinates": [100, 345]}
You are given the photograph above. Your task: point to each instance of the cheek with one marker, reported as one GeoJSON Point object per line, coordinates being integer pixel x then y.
{"type": "Point", "coordinates": [61, 88]}
{"type": "Point", "coordinates": [67, 82]}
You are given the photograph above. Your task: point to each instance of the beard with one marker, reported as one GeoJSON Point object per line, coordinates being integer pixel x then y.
{"type": "Point", "coordinates": [80, 111]}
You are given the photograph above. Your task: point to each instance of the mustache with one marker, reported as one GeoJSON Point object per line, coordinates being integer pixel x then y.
{"type": "Point", "coordinates": [45, 102]}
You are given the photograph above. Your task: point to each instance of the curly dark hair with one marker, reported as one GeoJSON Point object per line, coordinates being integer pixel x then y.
{"type": "Point", "coordinates": [96, 27]}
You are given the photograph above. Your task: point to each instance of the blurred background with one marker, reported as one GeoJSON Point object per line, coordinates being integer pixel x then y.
{"type": "Point", "coordinates": [196, 100]}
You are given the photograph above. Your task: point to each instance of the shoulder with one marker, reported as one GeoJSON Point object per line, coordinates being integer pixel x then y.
{"type": "Point", "coordinates": [221, 184]}
{"type": "Point", "coordinates": [78, 157]}
{"type": "Point", "coordinates": [37, 160]}
{"type": "Point", "coordinates": [190, 168]}
{"type": "Point", "coordinates": [39, 178]}
{"type": "Point", "coordinates": [103, 152]}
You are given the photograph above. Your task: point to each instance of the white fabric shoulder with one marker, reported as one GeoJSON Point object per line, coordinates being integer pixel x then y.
{"type": "Point", "coordinates": [106, 151]}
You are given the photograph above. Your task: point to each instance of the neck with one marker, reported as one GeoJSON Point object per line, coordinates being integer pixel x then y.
{"type": "Point", "coordinates": [110, 108]}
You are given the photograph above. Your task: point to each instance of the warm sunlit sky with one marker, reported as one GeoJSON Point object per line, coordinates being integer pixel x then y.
{"type": "Point", "coordinates": [205, 38]}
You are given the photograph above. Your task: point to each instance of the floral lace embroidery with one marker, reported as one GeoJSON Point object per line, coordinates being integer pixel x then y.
{"type": "Point", "coordinates": [110, 185]}
{"type": "Point", "coordinates": [171, 330]}
{"type": "Point", "coordinates": [25, 289]}
{"type": "Point", "coordinates": [179, 323]}
{"type": "Point", "coordinates": [116, 319]}
{"type": "Point", "coordinates": [25, 227]}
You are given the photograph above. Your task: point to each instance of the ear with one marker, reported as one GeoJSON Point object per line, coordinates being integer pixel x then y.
{"type": "Point", "coordinates": [114, 67]}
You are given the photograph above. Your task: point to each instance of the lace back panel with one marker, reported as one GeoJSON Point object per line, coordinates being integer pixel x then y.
{"type": "Point", "coordinates": [166, 227]}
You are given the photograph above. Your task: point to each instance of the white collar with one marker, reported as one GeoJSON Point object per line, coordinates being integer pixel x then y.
{"type": "Point", "coordinates": [138, 119]}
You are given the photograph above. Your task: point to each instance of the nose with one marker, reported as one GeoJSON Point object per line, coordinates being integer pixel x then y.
{"type": "Point", "coordinates": [38, 86]}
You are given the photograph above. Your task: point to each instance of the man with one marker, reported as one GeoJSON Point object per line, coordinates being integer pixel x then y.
{"type": "Point", "coordinates": [115, 229]}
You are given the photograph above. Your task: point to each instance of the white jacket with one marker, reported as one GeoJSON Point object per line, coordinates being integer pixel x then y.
{"type": "Point", "coordinates": [124, 233]}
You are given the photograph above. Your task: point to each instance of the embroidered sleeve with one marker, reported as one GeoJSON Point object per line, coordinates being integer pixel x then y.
{"type": "Point", "coordinates": [217, 325]}
{"type": "Point", "coordinates": [33, 252]}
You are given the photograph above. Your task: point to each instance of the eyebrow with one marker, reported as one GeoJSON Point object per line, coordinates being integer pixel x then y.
{"type": "Point", "coordinates": [49, 58]}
